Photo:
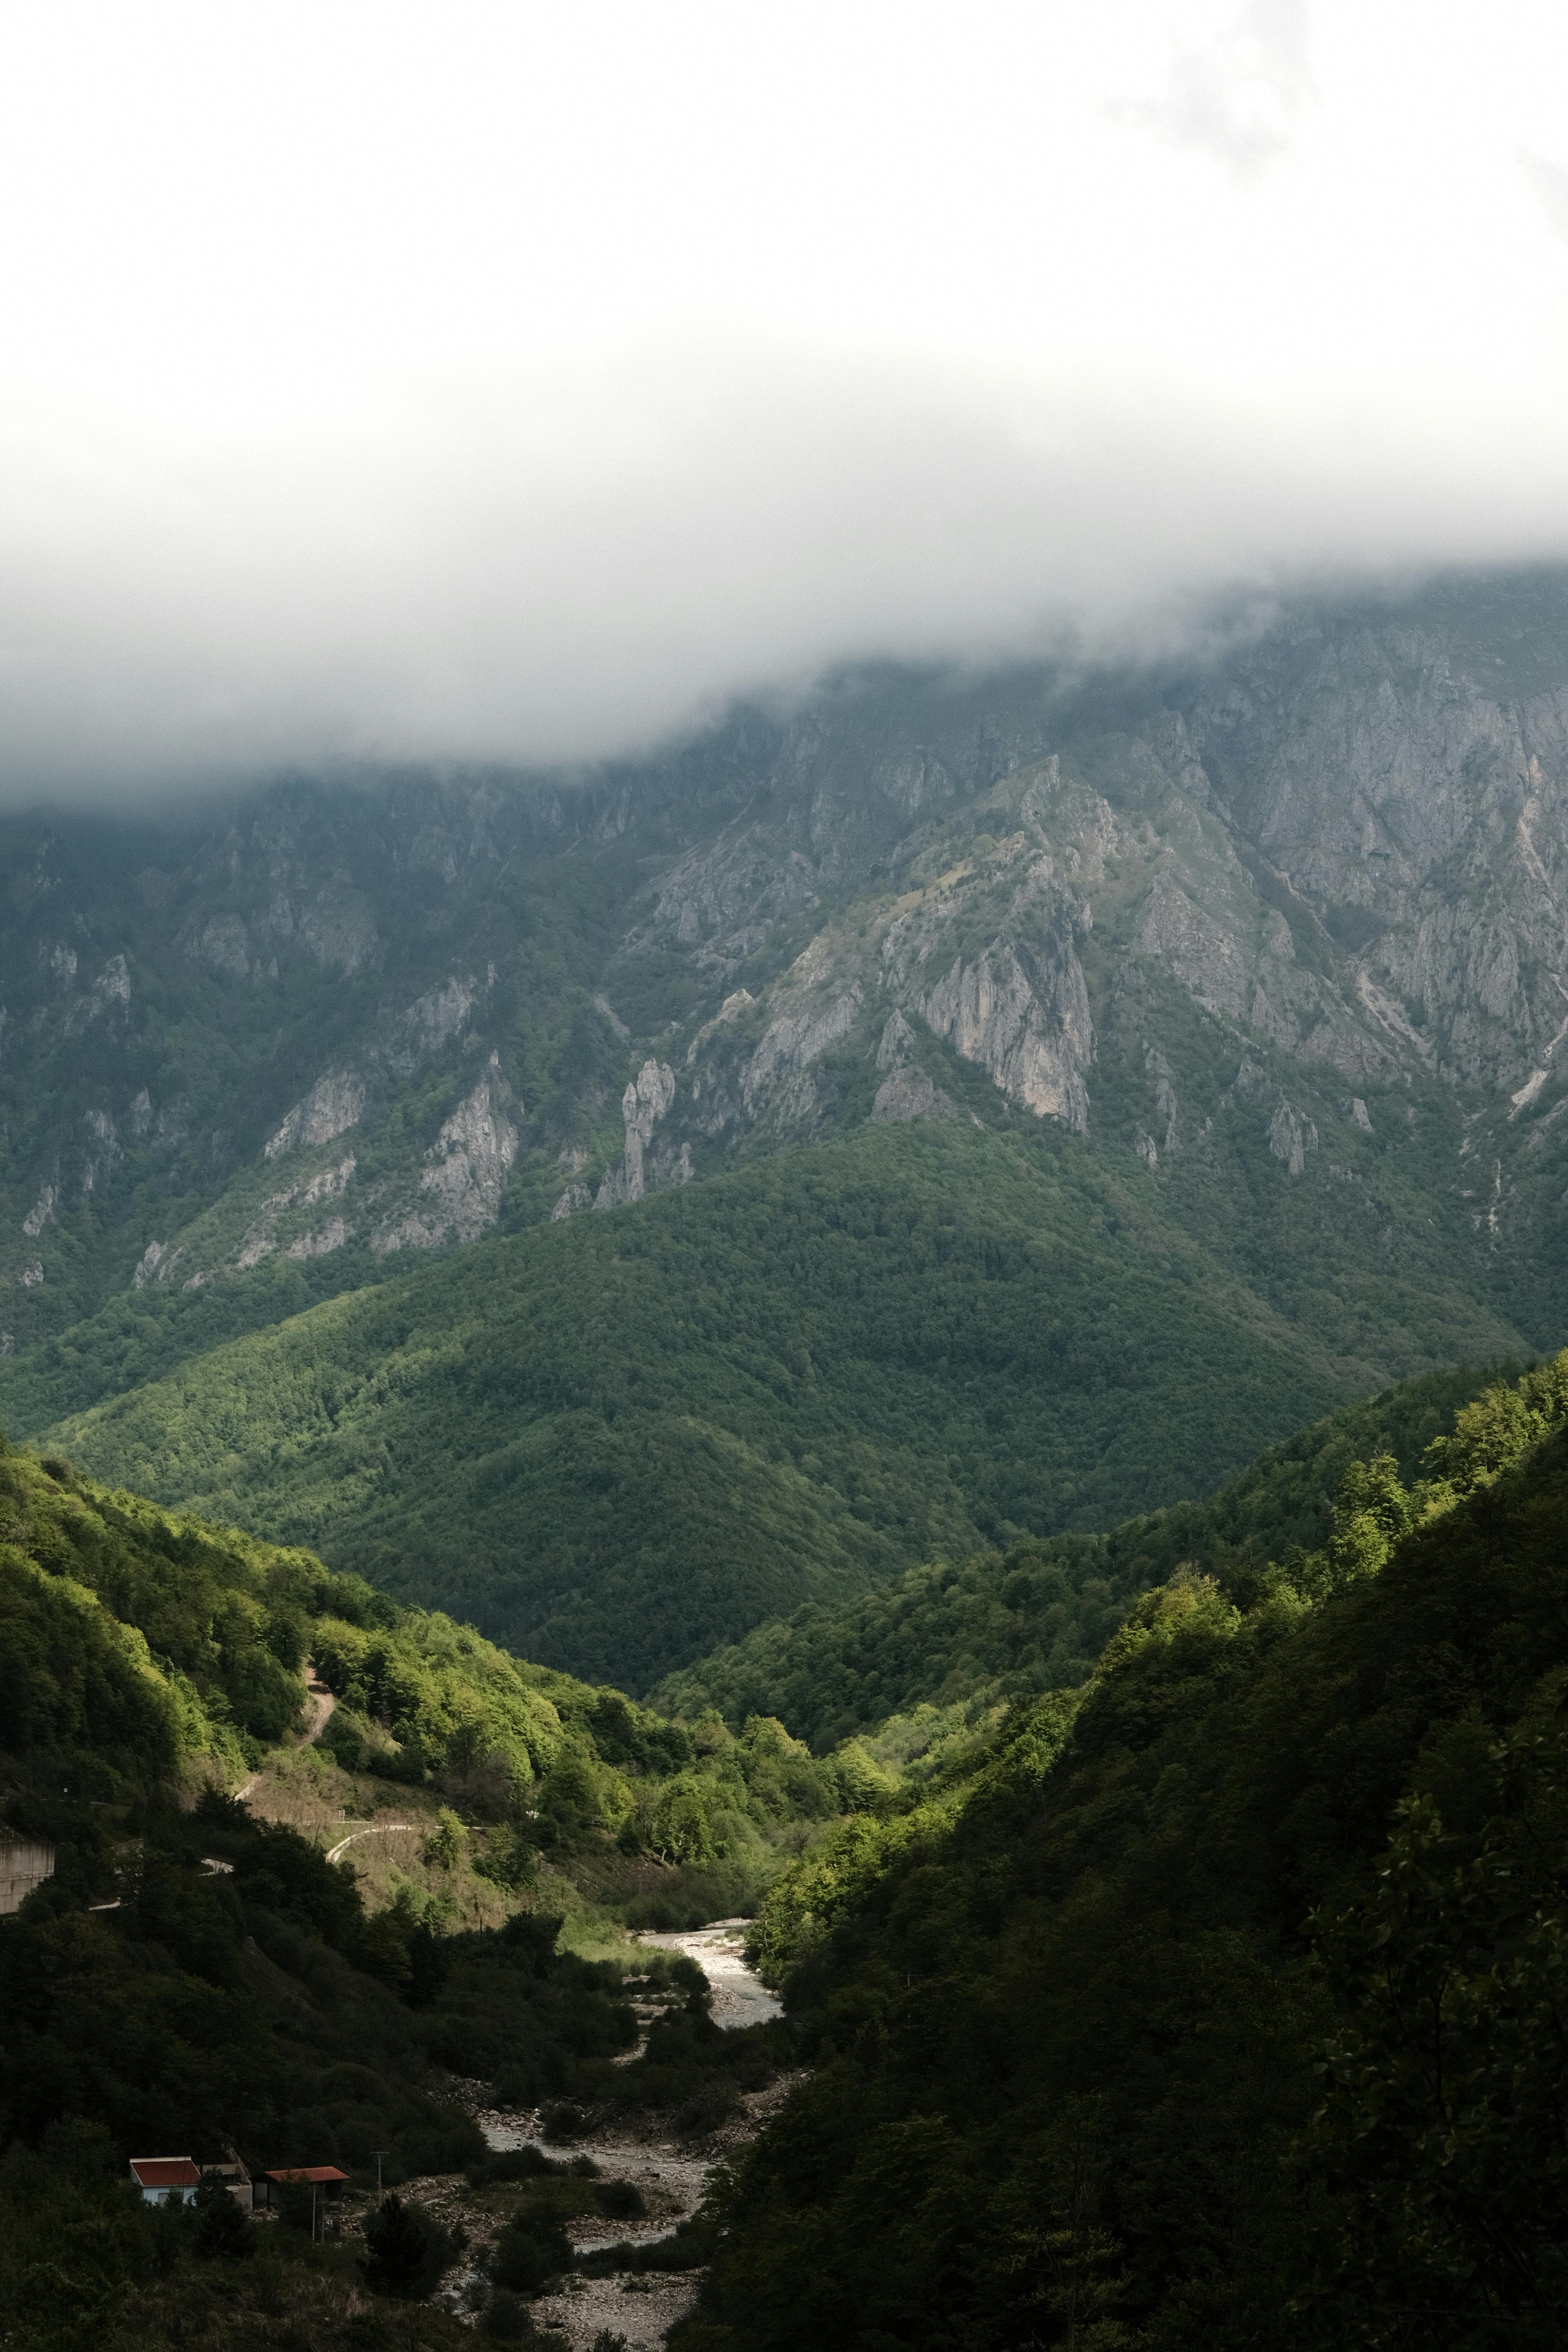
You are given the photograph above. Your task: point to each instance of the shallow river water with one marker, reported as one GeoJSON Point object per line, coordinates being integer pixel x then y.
{"type": "Point", "coordinates": [642, 2307]}
{"type": "Point", "coordinates": [740, 1996]}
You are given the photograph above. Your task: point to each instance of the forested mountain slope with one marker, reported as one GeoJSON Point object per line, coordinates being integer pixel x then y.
{"type": "Point", "coordinates": [1221, 2007]}
{"type": "Point", "coordinates": [1262, 963]}
{"type": "Point", "coordinates": [146, 1649]}
{"type": "Point", "coordinates": [952, 1641]}
{"type": "Point", "coordinates": [618, 1442]}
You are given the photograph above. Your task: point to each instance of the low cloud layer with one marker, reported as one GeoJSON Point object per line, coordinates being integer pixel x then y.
{"type": "Point", "coordinates": [928, 358]}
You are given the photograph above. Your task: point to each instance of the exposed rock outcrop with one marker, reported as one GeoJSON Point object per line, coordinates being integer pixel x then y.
{"type": "Point", "coordinates": [334, 1104]}
{"type": "Point", "coordinates": [741, 1000]}
{"type": "Point", "coordinates": [261, 1240]}
{"type": "Point", "coordinates": [428, 1023]}
{"type": "Point", "coordinates": [320, 1243]}
{"type": "Point", "coordinates": [42, 1212]}
{"type": "Point", "coordinates": [1200, 953]}
{"type": "Point", "coordinates": [154, 1265]}
{"type": "Point", "coordinates": [788, 1048]}
{"type": "Point", "coordinates": [908, 1094]}
{"type": "Point", "coordinates": [1415, 793]}
{"type": "Point", "coordinates": [1291, 1136]}
{"type": "Point", "coordinates": [1026, 1025]}
{"type": "Point", "coordinates": [643, 1103]}
{"type": "Point", "coordinates": [461, 1189]}
{"type": "Point", "coordinates": [104, 1152]}
{"type": "Point", "coordinates": [1159, 1069]}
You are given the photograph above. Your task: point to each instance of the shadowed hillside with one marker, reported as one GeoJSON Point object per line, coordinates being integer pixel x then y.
{"type": "Point", "coordinates": [619, 1442]}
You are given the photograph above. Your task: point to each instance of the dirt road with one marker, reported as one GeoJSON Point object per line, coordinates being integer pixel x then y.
{"type": "Point", "coordinates": [318, 1704]}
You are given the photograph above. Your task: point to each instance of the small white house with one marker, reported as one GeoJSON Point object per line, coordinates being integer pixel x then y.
{"type": "Point", "coordinates": [24, 1863]}
{"type": "Point", "coordinates": [165, 2180]}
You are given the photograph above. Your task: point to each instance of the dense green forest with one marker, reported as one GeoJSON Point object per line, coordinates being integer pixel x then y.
{"type": "Point", "coordinates": [1221, 2005]}
{"type": "Point", "coordinates": [618, 1443]}
{"type": "Point", "coordinates": [959, 1638]}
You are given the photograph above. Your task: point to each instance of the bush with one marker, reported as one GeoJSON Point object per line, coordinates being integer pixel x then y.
{"type": "Point", "coordinates": [407, 2250]}
{"type": "Point", "coordinates": [689, 2247]}
{"type": "Point", "coordinates": [621, 2199]}
{"type": "Point", "coordinates": [506, 2319]}
{"type": "Point", "coordinates": [707, 2109]}
{"type": "Point", "coordinates": [530, 2250]}
{"type": "Point", "coordinates": [510, 2164]}
{"type": "Point", "coordinates": [223, 2232]}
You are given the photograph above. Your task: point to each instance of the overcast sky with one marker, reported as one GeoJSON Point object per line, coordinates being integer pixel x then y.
{"type": "Point", "coordinates": [472, 380]}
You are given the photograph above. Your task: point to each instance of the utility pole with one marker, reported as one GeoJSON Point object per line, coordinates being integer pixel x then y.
{"type": "Point", "coordinates": [378, 2153]}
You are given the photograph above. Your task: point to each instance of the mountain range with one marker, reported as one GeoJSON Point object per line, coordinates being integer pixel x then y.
{"type": "Point", "coordinates": [627, 1204]}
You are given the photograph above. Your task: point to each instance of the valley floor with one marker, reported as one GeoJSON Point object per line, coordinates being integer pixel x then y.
{"type": "Point", "coordinates": [670, 2175]}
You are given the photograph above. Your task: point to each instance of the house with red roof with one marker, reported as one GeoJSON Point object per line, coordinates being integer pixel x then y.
{"type": "Point", "coordinates": [324, 2177]}
{"type": "Point", "coordinates": [166, 2179]}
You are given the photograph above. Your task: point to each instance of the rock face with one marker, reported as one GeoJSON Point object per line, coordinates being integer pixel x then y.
{"type": "Point", "coordinates": [1332, 862]}
{"type": "Point", "coordinates": [150, 1264]}
{"type": "Point", "coordinates": [261, 1239]}
{"type": "Point", "coordinates": [1290, 1137]}
{"type": "Point", "coordinates": [1026, 1024]}
{"type": "Point", "coordinates": [645, 1100]}
{"type": "Point", "coordinates": [441, 1014]}
{"type": "Point", "coordinates": [461, 1189]}
{"type": "Point", "coordinates": [1203, 956]}
{"type": "Point", "coordinates": [909, 1093]}
{"type": "Point", "coordinates": [335, 1103]}
{"type": "Point", "coordinates": [42, 1212]}
{"type": "Point", "coordinates": [777, 1078]}
{"type": "Point", "coordinates": [1412, 791]}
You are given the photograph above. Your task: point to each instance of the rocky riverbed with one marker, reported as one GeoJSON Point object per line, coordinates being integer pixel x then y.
{"type": "Point", "coordinates": [670, 2175]}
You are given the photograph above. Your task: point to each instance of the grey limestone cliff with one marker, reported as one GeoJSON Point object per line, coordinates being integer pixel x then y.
{"type": "Point", "coordinates": [1223, 928]}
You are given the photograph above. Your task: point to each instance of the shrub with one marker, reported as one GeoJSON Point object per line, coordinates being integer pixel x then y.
{"type": "Point", "coordinates": [223, 2232]}
{"type": "Point", "coordinates": [510, 2164]}
{"type": "Point", "coordinates": [506, 2319]}
{"type": "Point", "coordinates": [407, 2250]}
{"type": "Point", "coordinates": [707, 2109]}
{"type": "Point", "coordinates": [621, 2199]}
{"type": "Point", "coordinates": [530, 2250]}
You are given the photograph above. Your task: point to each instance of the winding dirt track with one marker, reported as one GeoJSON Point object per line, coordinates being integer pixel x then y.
{"type": "Point", "coordinates": [319, 1701]}
{"type": "Point", "coordinates": [377, 1829]}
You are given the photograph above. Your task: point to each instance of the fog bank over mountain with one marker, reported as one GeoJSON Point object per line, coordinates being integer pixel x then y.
{"type": "Point", "coordinates": [515, 389]}
{"type": "Point", "coordinates": [461, 585]}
